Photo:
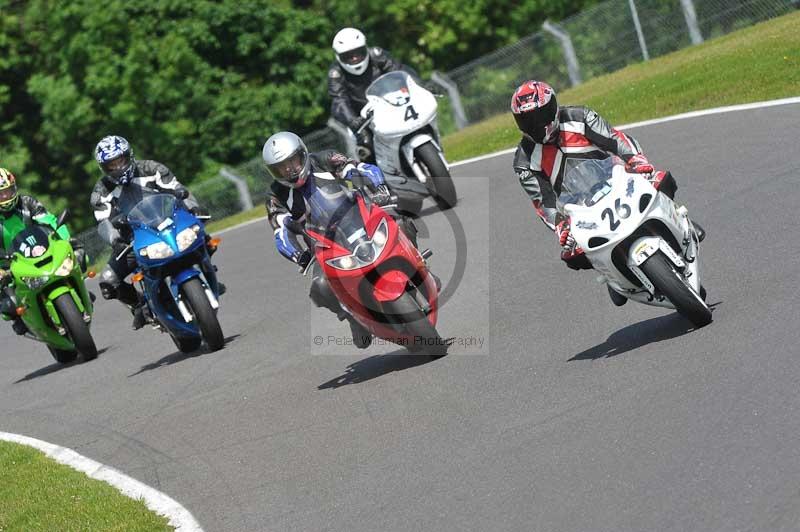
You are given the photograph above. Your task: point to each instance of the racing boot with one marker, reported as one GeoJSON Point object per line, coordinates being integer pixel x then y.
{"type": "Point", "coordinates": [19, 326]}
{"type": "Point", "coordinates": [362, 338]}
{"type": "Point", "coordinates": [701, 233]}
{"type": "Point", "coordinates": [127, 294]}
{"type": "Point", "coordinates": [139, 319]}
{"type": "Point", "coordinates": [436, 281]}
{"type": "Point", "coordinates": [616, 298]}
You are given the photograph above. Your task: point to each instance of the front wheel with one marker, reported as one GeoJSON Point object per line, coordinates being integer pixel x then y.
{"type": "Point", "coordinates": [425, 339]}
{"type": "Point", "coordinates": [669, 282]}
{"type": "Point", "coordinates": [206, 318]}
{"type": "Point", "coordinates": [77, 329]}
{"type": "Point", "coordinates": [439, 176]}
{"type": "Point", "coordinates": [63, 356]}
{"type": "Point", "coordinates": [187, 345]}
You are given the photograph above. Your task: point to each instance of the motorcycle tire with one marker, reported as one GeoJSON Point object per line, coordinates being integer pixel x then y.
{"type": "Point", "coordinates": [426, 338]}
{"type": "Point", "coordinates": [669, 282]}
{"type": "Point", "coordinates": [443, 188]}
{"type": "Point", "coordinates": [77, 329]}
{"type": "Point", "coordinates": [187, 345]}
{"type": "Point", "coordinates": [206, 318]}
{"type": "Point", "coordinates": [63, 356]}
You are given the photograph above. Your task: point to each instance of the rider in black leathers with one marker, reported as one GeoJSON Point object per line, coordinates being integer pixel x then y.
{"type": "Point", "coordinates": [124, 174]}
{"type": "Point", "coordinates": [356, 67]}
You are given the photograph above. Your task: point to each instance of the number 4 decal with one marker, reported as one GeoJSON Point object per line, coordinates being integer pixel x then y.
{"type": "Point", "coordinates": [411, 114]}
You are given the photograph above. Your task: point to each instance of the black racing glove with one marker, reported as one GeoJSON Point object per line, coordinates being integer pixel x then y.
{"type": "Point", "coordinates": [433, 88]}
{"type": "Point", "coordinates": [303, 258]}
{"type": "Point", "coordinates": [356, 123]}
{"type": "Point", "coordinates": [381, 196]}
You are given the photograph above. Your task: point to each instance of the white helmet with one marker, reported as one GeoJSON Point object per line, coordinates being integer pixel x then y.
{"type": "Point", "coordinates": [350, 46]}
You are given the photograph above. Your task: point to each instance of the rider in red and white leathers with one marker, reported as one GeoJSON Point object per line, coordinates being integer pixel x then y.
{"type": "Point", "coordinates": [551, 136]}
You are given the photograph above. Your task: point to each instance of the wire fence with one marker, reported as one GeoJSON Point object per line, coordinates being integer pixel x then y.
{"type": "Point", "coordinates": [604, 39]}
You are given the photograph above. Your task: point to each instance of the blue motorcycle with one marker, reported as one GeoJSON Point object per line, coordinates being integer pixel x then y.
{"type": "Point", "coordinates": [174, 271]}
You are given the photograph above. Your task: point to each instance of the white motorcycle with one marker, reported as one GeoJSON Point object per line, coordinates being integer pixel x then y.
{"type": "Point", "coordinates": [644, 247]}
{"type": "Point", "coordinates": [402, 117]}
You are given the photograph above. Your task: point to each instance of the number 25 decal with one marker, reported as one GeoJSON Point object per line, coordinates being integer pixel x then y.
{"type": "Point", "coordinates": [411, 114]}
{"type": "Point", "coordinates": [623, 210]}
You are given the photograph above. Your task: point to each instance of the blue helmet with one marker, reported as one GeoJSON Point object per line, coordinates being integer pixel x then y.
{"type": "Point", "coordinates": [115, 157]}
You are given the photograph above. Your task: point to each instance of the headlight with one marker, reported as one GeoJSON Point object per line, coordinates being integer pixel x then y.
{"type": "Point", "coordinates": [35, 282]}
{"type": "Point", "coordinates": [187, 237]}
{"type": "Point", "coordinates": [366, 253]}
{"type": "Point", "coordinates": [380, 236]}
{"type": "Point", "coordinates": [343, 263]}
{"type": "Point", "coordinates": [159, 250]}
{"type": "Point", "coordinates": [66, 267]}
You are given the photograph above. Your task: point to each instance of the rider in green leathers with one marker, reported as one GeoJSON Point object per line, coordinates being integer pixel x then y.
{"type": "Point", "coordinates": [18, 211]}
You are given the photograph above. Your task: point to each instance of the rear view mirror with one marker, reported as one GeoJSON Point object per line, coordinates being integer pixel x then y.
{"type": "Point", "coordinates": [118, 221]}
{"type": "Point", "coordinates": [61, 217]}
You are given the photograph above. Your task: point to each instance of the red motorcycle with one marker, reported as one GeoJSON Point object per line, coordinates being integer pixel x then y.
{"type": "Point", "coordinates": [374, 270]}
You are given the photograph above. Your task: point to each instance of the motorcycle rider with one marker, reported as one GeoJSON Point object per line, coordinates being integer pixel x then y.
{"type": "Point", "coordinates": [18, 211]}
{"type": "Point", "coordinates": [121, 170]}
{"type": "Point", "coordinates": [296, 174]}
{"type": "Point", "coordinates": [552, 135]}
{"type": "Point", "coordinates": [356, 67]}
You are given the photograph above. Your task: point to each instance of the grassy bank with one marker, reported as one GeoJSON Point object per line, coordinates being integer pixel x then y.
{"type": "Point", "coordinates": [39, 494]}
{"type": "Point", "coordinates": [754, 64]}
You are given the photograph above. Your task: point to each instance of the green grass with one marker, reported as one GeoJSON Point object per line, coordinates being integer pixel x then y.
{"type": "Point", "coordinates": [230, 221]}
{"type": "Point", "coordinates": [754, 64]}
{"type": "Point", "coordinates": [39, 494]}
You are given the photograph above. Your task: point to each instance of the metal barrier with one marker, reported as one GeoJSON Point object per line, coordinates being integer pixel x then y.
{"type": "Point", "coordinates": [596, 41]}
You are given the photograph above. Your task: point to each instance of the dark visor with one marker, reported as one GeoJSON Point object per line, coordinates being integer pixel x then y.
{"type": "Point", "coordinates": [290, 168]}
{"type": "Point", "coordinates": [116, 167]}
{"type": "Point", "coordinates": [353, 57]}
{"type": "Point", "coordinates": [8, 193]}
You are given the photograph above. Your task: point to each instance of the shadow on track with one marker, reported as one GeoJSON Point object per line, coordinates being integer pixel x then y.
{"type": "Point", "coordinates": [640, 334]}
{"type": "Point", "coordinates": [52, 368]}
{"type": "Point", "coordinates": [376, 366]}
{"type": "Point", "coordinates": [178, 356]}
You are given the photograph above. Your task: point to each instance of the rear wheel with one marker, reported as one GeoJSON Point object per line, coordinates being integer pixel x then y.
{"type": "Point", "coordinates": [444, 190]}
{"type": "Point", "coordinates": [77, 329]}
{"type": "Point", "coordinates": [670, 282]}
{"type": "Point", "coordinates": [425, 339]}
{"type": "Point", "coordinates": [203, 313]}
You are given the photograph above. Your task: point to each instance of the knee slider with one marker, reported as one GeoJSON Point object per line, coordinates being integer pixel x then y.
{"type": "Point", "coordinates": [107, 290]}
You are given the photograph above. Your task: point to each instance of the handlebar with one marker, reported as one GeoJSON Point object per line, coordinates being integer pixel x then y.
{"type": "Point", "coordinates": [125, 251]}
{"type": "Point", "coordinates": [367, 122]}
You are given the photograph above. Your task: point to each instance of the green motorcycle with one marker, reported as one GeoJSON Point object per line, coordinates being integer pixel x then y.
{"type": "Point", "coordinates": [50, 292]}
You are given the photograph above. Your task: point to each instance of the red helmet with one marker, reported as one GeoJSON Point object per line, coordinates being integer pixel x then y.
{"type": "Point", "coordinates": [536, 111]}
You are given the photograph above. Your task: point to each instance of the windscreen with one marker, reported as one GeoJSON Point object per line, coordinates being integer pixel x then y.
{"type": "Point", "coordinates": [32, 242]}
{"type": "Point", "coordinates": [392, 87]}
{"type": "Point", "coordinates": [586, 181]}
{"type": "Point", "coordinates": [333, 212]}
{"type": "Point", "coordinates": [153, 210]}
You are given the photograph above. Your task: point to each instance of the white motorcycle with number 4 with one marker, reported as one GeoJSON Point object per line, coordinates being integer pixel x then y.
{"type": "Point", "coordinates": [645, 248]}
{"type": "Point", "coordinates": [402, 117]}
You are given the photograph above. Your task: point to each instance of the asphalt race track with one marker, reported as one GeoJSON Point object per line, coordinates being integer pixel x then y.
{"type": "Point", "coordinates": [572, 415]}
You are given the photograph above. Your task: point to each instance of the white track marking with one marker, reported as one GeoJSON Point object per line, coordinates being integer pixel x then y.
{"type": "Point", "coordinates": [682, 116]}
{"type": "Point", "coordinates": [179, 517]}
